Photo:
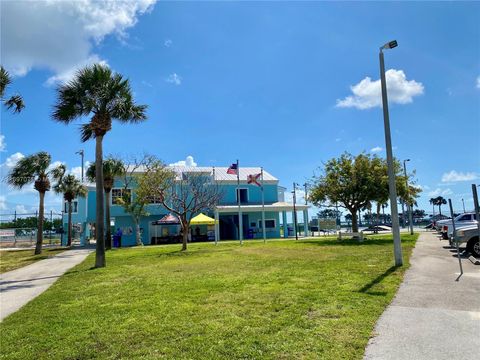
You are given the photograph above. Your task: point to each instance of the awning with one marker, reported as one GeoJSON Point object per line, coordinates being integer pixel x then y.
{"type": "Point", "coordinates": [167, 220]}
{"type": "Point", "coordinates": [202, 219]}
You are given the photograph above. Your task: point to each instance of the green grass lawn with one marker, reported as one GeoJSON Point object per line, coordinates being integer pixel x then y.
{"type": "Point", "coordinates": [14, 259]}
{"type": "Point", "coordinates": [305, 299]}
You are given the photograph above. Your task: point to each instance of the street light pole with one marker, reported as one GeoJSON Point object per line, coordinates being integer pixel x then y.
{"type": "Point", "coordinates": [81, 153]}
{"type": "Point", "coordinates": [295, 210]}
{"type": "Point", "coordinates": [397, 244]}
{"type": "Point", "coordinates": [409, 206]}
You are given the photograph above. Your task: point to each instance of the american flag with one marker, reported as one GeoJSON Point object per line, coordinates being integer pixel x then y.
{"type": "Point", "coordinates": [233, 169]}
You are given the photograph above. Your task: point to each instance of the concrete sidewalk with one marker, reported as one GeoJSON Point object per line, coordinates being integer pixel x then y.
{"type": "Point", "coordinates": [432, 316]}
{"type": "Point", "coordinates": [18, 287]}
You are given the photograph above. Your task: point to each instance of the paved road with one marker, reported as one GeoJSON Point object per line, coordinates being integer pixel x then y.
{"type": "Point", "coordinates": [18, 287]}
{"type": "Point", "coordinates": [433, 316]}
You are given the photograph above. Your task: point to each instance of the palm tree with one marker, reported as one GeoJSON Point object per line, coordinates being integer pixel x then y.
{"type": "Point", "coordinates": [438, 201]}
{"type": "Point", "coordinates": [111, 168]}
{"type": "Point", "coordinates": [14, 102]}
{"type": "Point", "coordinates": [34, 168]}
{"type": "Point", "coordinates": [71, 188]}
{"type": "Point", "coordinates": [97, 91]}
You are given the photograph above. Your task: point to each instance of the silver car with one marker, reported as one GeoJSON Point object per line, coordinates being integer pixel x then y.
{"type": "Point", "coordinates": [468, 235]}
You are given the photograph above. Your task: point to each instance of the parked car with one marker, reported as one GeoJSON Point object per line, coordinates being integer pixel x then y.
{"type": "Point", "coordinates": [461, 221]}
{"type": "Point", "coordinates": [468, 235]}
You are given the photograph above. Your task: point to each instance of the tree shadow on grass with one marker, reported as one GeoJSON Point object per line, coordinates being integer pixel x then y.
{"type": "Point", "coordinates": [352, 242]}
{"type": "Point", "coordinates": [366, 288]}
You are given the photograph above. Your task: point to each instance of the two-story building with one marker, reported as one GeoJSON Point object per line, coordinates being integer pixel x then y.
{"type": "Point", "coordinates": [226, 212]}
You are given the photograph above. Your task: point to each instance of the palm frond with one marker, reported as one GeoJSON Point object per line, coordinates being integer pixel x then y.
{"type": "Point", "coordinates": [5, 80]}
{"type": "Point", "coordinates": [86, 132]}
{"type": "Point", "coordinates": [28, 168]}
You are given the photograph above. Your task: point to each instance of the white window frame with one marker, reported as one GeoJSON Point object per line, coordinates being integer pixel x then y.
{"type": "Point", "coordinates": [122, 189]}
{"type": "Point", "coordinates": [274, 224]}
{"type": "Point", "coordinates": [237, 190]}
{"type": "Point", "coordinates": [65, 206]}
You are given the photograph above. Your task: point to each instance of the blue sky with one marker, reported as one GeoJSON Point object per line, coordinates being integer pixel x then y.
{"type": "Point", "coordinates": [267, 83]}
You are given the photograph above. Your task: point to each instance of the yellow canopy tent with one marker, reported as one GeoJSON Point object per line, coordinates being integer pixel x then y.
{"type": "Point", "coordinates": [202, 219]}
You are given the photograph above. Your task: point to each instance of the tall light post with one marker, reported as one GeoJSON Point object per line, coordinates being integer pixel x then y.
{"type": "Point", "coordinates": [409, 206]}
{"type": "Point", "coordinates": [81, 153]}
{"type": "Point", "coordinates": [397, 244]}
{"type": "Point", "coordinates": [294, 192]}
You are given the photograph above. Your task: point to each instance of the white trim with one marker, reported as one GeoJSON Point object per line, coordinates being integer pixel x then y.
{"type": "Point", "coordinates": [274, 223]}
{"type": "Point", "coordinates": [65, 209]}
{"type": "Point", "coordinates": [119, 188]}
{"type": "Point", "coordinates": [277, 207]}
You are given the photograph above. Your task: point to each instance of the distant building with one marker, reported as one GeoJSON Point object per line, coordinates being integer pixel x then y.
{"type": "Point", "coordinates": [276, 209]}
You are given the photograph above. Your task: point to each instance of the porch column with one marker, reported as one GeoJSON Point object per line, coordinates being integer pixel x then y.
{"type": "Point", "coordinates": [285, 227]}
{"type": "Point", "coordinates": [217, 228]}
{"type": "Point", "coordinates": [305, 222]}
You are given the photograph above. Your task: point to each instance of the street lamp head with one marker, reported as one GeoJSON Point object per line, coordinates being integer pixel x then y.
{"type": "Point", "coordinates": [406, 160]}
{"type": "Point", "coordinates": [390, 45]}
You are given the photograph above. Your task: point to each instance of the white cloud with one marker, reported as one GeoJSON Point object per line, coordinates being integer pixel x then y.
{"type": "Point", "coordinates": [338, 139]}
{"type": "Point", "coordinates": [3, 144]}
{"type": "Point", "coordinates": [376, 149]}
{"type": "Point", "coordinates": [168, 43]}
{"type": "Point", "coordinates": [367, 93]}
{"type": "Point", "coordinates": [454, 176]}
{"type": "Point", "coordinates": [10, 163]}
{"type": "Point", "coordinates": [478, 82]}
{"type": "Point", "coordinates": [21, 209]}
{"type": "Point", "coordinates": [187, 162]}
{"type": "Point", "coordinates": [439, 191]}
{"type": "Point", "coordinates": [61, 35]}
{"type": "Point", "coordinates": [174, 79]}
{"type": "Point", "coordinates": [3, 203]}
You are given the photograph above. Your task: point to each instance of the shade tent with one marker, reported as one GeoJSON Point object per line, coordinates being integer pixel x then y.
{"type": "Point", "coordinates": [202, 219]}
{"type": "Point", "coordinates": [167, 220]}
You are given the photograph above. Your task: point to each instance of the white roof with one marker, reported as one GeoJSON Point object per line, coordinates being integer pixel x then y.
{"type": "Point", "coordinates": [221, 172]}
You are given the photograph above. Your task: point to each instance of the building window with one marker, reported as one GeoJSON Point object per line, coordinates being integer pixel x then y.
{"type": "Point", "coordinates": [243, 195]}
{"type": "Point", "coordinates": [74, 207]}
{"type": "Point", "coordinates": [118, 194]}
{"type": "Point", "coordinates": [269, 224]}
{"type": "Point", "coordinates": [154, 200]}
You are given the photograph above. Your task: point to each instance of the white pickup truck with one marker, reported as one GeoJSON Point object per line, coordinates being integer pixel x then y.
{"type": "Point", "coordinates": [461, 221]}
{"type": "Point", "coordinates": [469, 235]}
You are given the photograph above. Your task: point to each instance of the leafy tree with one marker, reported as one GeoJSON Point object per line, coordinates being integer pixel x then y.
{"type": "Point", "coordinates": [419, 214]}
{"type": "Point", "coordinates": [438, 201]}
{"type": "Point", "coordinates": [14, 102]}
{"type": "Point", "coordinates": [112, 168]}
{"type": "Point", "coordinates": [329, 213]}
{"type": "Point", "coordinates": [71, 188]}
{"type": "Point", "coordinates": [35, 168]}
{"type": "Point", "coordinates": [354, 182]}
{"type": "Point", "coordinates": [97, 91]}
{"type": "Point", "coordinates": [135, 175]}
{"type": "Point", "coordinates": [184, 194]}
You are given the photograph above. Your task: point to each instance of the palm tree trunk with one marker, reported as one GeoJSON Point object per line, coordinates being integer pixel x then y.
{"type": "Point", "coordinates": [377, 218]}
{"type": "Point", "coordinates": [108, 236]}
{"type": "Point", "coordinates": [70, 227]}
{"type": "Point", "coordinates": [100, 213]}
{"type": "Point", "coordinates": [440, 209]}
{"type": "Point", "coordinates": [38, 246]}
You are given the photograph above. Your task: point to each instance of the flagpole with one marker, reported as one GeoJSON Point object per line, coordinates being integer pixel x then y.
{"type": "Point", "coordinates": [263, 211]}
{"type": "Point", "coordinates": [216, 225]}
{"type": "Point", "coordinates": [240, 220]}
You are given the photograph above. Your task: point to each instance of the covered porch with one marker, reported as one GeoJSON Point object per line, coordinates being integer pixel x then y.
{"type": "Point", "coordinates": [226, 217]}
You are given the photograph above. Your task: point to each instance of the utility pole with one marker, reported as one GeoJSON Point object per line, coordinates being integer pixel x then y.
{"type": "Point", "coordinates": [295, 210]}
{"type": "Point", "coordinates": [81, 153]}
{"type": "Point", "coordinates": [463, 202]}
{"type": "Point", "coordinates": [397, 243]}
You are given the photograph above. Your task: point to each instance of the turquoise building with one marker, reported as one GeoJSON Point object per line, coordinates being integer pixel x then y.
{"type": "Point", "coordinates": [158, 227]}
